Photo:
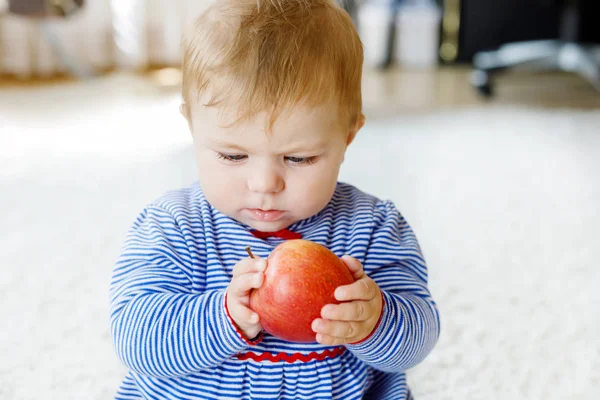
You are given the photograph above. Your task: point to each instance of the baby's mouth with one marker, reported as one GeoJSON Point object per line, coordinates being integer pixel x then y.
{"type": "Point", "coordinates": [265, 215]}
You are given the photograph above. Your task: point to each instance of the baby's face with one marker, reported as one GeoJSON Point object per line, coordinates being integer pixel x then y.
{"type": "Point", "coordinates": [269, 180]}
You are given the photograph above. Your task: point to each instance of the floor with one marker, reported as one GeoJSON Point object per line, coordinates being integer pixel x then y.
{"type": "Point", "coordinates": [503, 197]}
{"type": "Point", "coordinates": [385, 94]}
{"type": "Point", "coordinates": [395, 91]}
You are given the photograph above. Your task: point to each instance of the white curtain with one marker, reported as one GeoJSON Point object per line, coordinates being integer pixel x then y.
{"type": "Point", "coordinates": [127, 34]}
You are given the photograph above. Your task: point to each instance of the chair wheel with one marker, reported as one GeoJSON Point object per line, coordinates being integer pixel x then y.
{"type": "Point", "coordinates": [482, 83]}
{"type": "Point", "coordinates": [485, 90]}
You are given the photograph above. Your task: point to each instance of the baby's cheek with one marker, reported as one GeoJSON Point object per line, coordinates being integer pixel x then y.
{"type": "Point", "coordinates": [218, 186]}
{"type": "Point", "coordinates": [313, 191]}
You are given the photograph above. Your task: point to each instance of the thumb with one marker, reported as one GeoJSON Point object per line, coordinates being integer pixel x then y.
{"type": "Point", "coordinates": [355, 267]}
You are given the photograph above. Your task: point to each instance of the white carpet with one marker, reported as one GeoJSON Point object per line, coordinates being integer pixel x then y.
{"type": "Point", "coordinates": [505, 203]}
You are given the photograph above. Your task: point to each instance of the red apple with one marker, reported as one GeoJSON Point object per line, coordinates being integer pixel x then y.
{"type": "Point", "coordinates": [300, 278]}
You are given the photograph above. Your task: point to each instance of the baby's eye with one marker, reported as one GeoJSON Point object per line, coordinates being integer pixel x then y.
{"type": "Point", "coordinates": [232, 157]}
{"type": "Point", "coordinates": [301, 160]}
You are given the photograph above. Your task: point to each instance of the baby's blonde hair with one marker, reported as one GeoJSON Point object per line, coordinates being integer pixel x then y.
{"type": "Point", "coordinates": [267, 55]}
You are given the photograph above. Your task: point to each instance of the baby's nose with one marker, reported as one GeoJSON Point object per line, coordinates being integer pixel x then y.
{"type": "Point", "coordinates": [266, 180]}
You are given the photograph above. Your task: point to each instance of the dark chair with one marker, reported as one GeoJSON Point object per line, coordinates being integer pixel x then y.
{"type": "Point", "coordinates": [564, 54]}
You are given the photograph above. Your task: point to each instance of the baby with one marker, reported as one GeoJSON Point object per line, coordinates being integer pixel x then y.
{"type": "Point", "coordinates": [272, 93]}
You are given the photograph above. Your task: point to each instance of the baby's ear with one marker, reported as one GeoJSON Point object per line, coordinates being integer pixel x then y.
{"type": "Point", "coordinates": [184, 109]}
{"type": "Point", "coordinates": [352, 134]}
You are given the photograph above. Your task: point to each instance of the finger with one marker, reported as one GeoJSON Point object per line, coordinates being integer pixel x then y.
{"type": "Point", "coordinates": [331, 340]}
{"type": "Point", "coordinates": [248, 265]}
{"type": "Point", "coordinates": [355, 267]}
{"type": "Point", "coordinates": [244, 314]}
{"type": "Point", "coordinates": [353, 311]}
{"type": "Point", "coordinates": [363, 289]}
{"type": "Point", "coordinates": [241, 285]}
{"type": "Point", "coordinates": [341, 329]}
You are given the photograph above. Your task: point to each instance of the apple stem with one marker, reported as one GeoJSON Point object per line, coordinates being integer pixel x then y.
{"type": "Point", "coordinates": [249, 252]}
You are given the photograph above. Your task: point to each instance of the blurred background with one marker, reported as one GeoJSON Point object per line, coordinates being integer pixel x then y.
{"type": "Point", "coordinates": [483, 125]}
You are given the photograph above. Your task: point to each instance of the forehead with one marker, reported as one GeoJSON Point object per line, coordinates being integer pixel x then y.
{"type": "Point", "coordinates": [297, 126]}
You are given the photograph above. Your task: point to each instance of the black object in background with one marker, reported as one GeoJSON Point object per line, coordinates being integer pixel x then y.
{"type": "Point", "coordinates": [488, 24]}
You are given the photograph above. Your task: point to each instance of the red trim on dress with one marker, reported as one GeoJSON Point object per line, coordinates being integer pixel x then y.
{"type": "Point", "coordinates": [291, 358]}
{"type": "Point", "coordinates": [282, 234]}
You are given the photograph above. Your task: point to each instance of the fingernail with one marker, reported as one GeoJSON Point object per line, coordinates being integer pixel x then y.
{"type": "Point", "coordinates": [316, 325]}
{"type": "Point", "coordinates": [261, 264]}
{"type": "Point", "coordinates": [254, 318]}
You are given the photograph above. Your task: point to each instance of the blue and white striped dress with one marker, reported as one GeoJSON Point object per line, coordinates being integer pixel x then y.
{"type": "Point", "coordinates": [171, 329]}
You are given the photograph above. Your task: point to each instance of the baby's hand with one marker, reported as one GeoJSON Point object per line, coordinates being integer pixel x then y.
{"type": "Point", "coordinates": [354, 320]}
{"type": "Point", "coordinates": [247, 275]}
